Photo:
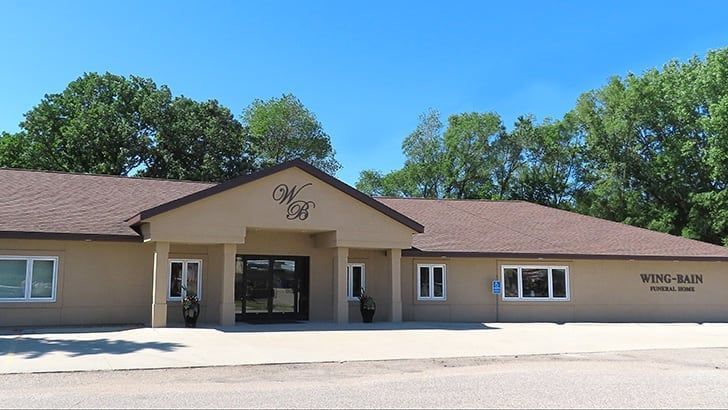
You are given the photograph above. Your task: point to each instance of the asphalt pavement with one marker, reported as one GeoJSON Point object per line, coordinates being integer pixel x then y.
{"type": "Point", "coordinates": [676, 378]}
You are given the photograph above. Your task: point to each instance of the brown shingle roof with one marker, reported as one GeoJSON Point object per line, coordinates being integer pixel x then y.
{"type": "Point", "coordinates": [522, 229]}
{"type": "Point", "coordinates": [70, 205]}
{"type": "Point", "coordinates": [82, 206]}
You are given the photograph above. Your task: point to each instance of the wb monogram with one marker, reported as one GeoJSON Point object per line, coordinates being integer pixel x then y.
{"type": "Point", "coordinates": [295, 208]}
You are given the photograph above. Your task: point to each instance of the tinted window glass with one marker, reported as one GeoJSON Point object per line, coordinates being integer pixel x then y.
{"type": "Point", "coordinates": [42, 280]}
{"type": "Point", "coordinates": [12, 279]}
{"type": "Point", "coordinates": [356, 279]}
{"type": "Point", "coordinates": [439, 282]}
{"type": "Point", "coordinates": [559, 282]}
{"type": "Point", "coordinates": [175, 280]}
{"type": "Point", "coordinates": [535, 283]}
{"type": "Point", "coordinates": [510, 277]}
{"type": "Point", "coordinates": [193, 278]}
{"type": "Point", "coordinates": [424, 282]}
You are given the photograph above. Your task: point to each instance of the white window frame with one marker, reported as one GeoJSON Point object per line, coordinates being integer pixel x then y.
{"type": "Point", "coordinates": [549, 269]}
{"type": "Point", "coordinates": [183, 293]}
{"type": "Point", "coordinates": [350, 280]}
{"type": "Point", "coordinates": [431, 272]}
{"type": "Point", "coordinates": [29, 260]}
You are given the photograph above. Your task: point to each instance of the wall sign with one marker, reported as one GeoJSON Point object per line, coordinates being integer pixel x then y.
{"type": "Point", "coordinates": [495, 287]}
{"type": "Point", "coordinates": [295, 208]}
{"type": "Point", "coordinates": [665, 282]}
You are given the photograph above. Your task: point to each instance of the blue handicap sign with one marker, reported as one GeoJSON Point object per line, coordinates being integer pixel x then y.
{"type": "Point", "coordinates": [496, 287]}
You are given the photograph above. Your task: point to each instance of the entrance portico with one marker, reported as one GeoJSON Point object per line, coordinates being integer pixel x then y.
{"type": "Point", "coordinates": [285, 239]}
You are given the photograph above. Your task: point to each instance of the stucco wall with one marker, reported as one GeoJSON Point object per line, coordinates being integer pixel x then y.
{"type": "Point", "coordinates": [377, 283]}
{"type": "Point", "coordinates": [98, 283]}
{"type": "Point", "coordinates": [601, 291]}
{"type": "Point", "coordinates": [110, 283]}
{"type": "Point", "coordinates": [211, 257]}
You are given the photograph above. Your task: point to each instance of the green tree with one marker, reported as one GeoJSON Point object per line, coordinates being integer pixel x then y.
{"type": "Point", "coordinates": [13, 152]}
{"type": "Point", "coordinates": [470, 158]}
{"type": "Point", "coordinates": [423, 174]}
{"type": "Point", "coordinates": [394, 184]}
{"type": "Point", "coordinates": [552, 162]}
{"type": "Point", "coordinates": [656, 151]}
{"type": "Point", "coordinates": [282, 129]}
{"type": "Point", "coordinates": [101, 123]}
{"type": "Point", "coordinates": [199, 141]}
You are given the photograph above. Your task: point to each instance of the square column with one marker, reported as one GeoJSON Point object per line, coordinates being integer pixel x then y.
{"type": "Point", "coordinates": [395, 274]}
{"type": "Point", "coordinates": [160, 284]}
{"type": "Point", "coordinates": [227, 286]}
{"type": "Point", "coordinates": [340, 305]}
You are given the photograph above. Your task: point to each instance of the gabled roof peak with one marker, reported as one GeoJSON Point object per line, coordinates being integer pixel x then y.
{"type": "Point", "coordinates": [295, 163]}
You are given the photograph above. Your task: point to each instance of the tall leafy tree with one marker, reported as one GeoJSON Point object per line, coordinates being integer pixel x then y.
{"type": "Point", "coordinates": [282, 129]}
{"type": "Point", "coordinates": [100, 123]}
{"type": "Point", "coordinates": [656, 148]}
{"type": "Point", "coordinates": [199, 141]}
{"type": "Point", "coordinates": [469, 154]}
{"type": "Point", "coordinates": [424, 173]}
{"type": "Point", "coordinates": [552, 162]}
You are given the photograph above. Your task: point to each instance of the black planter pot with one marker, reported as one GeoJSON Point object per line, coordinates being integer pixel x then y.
{"type": "Point", "coordinates": [367, 315]}
{"type": "Point", "coordinates": [191, 314]}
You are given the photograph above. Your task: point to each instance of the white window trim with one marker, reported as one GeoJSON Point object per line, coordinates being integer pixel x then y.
{"type": "Point", "coordinates": [184, 263]}
{"type": "Point", "coordinates": [431, 272]}
{"type": "Point", "coordinates": [28, 279]}
{"type": "Point", "coordinates": [350, 280]}
{"type": "Point", "coordinates": [520, 297]}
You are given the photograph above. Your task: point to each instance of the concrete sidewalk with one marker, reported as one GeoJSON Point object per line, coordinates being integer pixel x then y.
{"type": "Point", "coordinates": [67, 349]}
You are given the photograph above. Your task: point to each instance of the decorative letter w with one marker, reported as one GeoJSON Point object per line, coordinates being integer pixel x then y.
{"type": "Point", "coordinates": [296, 209]}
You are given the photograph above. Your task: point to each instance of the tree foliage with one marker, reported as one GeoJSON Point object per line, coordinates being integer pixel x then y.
{"type": "Point", "coordinates": [656, 148]}
{"type": "Point", "coordinates": [650, 150]}
{"type": "Point", "coordinates": [111, 124]}
{"type": "Point", "coordinates": [99, 123]}
{"type": "Point", "coordinates": [282, 129]}
{"type": "Point", "coordinates": [199, 141]}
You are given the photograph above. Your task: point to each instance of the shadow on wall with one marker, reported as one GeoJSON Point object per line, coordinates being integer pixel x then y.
{"type": "Point", "coordinates": [34, 347]}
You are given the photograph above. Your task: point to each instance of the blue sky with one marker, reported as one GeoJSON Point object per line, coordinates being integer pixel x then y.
{"type": "Point", "coordinates": [367, 69]}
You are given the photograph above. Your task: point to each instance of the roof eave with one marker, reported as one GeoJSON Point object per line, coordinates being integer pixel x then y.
{"type": "Point", "coordinates": [69, 236]}
{"type": "Point", "coordinates": [526, 255]}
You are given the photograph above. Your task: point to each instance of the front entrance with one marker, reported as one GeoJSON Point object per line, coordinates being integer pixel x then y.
{"type": "Point", "coordinates": [271, 288]}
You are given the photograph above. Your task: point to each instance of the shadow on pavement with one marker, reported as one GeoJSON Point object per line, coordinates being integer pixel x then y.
{"type": "Point", "coordinates": [334, 327]}
{"type": "Point", "coordinates": [34, 347]}
{"type": "Point", "coordinates": [30, 330]}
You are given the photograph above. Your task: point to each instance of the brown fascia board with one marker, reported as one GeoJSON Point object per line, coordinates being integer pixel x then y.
{"type": "Point", "coordinates": [69, 236]}
{"type": "Point", "coordinates": [298, 163]}
{"type": "Point", "coordinates": [456, 254]}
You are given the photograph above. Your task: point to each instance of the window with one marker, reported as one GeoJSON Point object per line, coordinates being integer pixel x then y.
{"type": "Point", "coordinates": [28, 278]}
{"type": "Point", "coordinates": [431, 282]}
{"type": "Point", "coordinates": [354, 280]}
{"type": "Point", "coordinates": [185, 278]}
{"type": "Point", "coordinates": [535, 282]}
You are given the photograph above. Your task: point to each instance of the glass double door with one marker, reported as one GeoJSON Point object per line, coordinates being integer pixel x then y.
{"type": "Point", "coordinates": [269, 288]}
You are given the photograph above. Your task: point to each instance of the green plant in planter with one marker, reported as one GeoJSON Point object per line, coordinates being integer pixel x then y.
{"type": "Point", "coordinates": [367, 307]}
{"type": "Point", "coordinates": [190, 302]}
{"type": "Point", "coordinates": [190, 309]}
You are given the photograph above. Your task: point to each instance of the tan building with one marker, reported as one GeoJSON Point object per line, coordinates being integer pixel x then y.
{"type": "Point", "coordinates": [293, 243]}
